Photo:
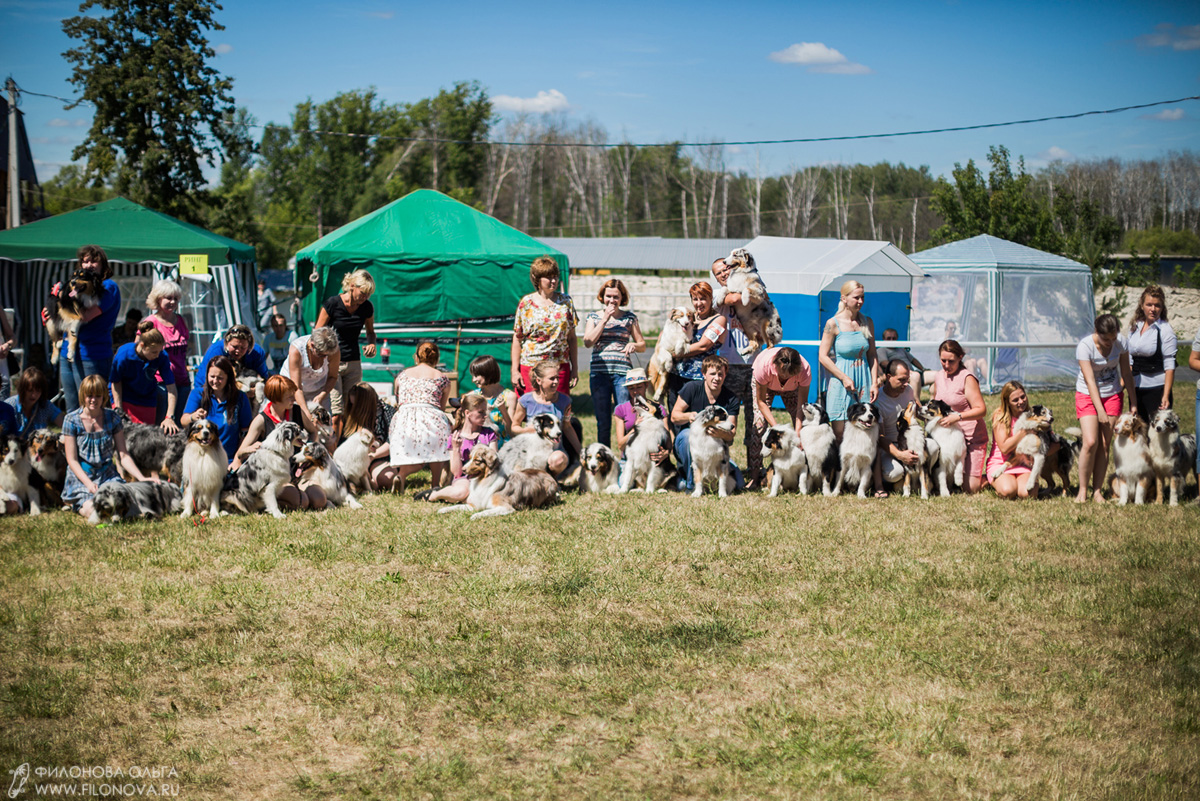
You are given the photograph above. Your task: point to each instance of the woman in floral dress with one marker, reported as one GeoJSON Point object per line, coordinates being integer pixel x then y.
{"type": "Point", "coordinates": [544, 329]}
{"type": "Point", "coordinates": [420, 429]}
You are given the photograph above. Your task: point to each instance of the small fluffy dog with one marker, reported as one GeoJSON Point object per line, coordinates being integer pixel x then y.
{"type": "Point", "coordinates": [672, 342]}
{"type": "Point", "coordinates": [495, 491]}
{"type": "Point", "coordinates": [14, 475]}
{"type": "Point", "coordinates": [649, 437]}
{"type": "Point", "coordinates": [710, 454]}
{"type": "Point", "coordinates": [313, 464]}
{"type": "Point", "coordinates": [822, 458]}
{"type": "Point", "coordinates": [951, 443]}
{"type": "Point", "coordinates": [860, 442]}
{"type": "Point", "coordinates": [255, 387]}
{"type": "Point", "coordinates": [254, 485]}
{"type": "Point", "coordinates": [1131, 459]}
{"type": "Point", "coordinates": [757, 314]}
{"type": "Point", "coordinates": [1172, 454]}
{"type": "Point", "coordinates": [600, 469]}
{"type": "Point", "coordinates": [787, 458]}
{"type": "Point", "coordinates": [910, 435]}
{"type": "Point", "coordinates": [65, 311]}
{"type": "Point", "coordinates": [153, 451]}
{"type": "Point", "coordinates": [202, 469]}
{"type": "Point", "coordinates": [354, 458]}
{"type": "Point", "coordinates": [531, 450]}
{"type": "Point", "coordinates": [49, 466]}
{"type": "Point", "coordinates": [141, 500]}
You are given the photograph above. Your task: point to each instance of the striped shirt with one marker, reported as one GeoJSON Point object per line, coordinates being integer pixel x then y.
{"type": "Point", "coordinates": [608, 354]}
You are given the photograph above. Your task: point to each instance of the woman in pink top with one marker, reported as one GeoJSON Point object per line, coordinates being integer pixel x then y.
{"type": "Point", "coordinates": [781, 372]}
{"type": "Point", "coordinates": [958, 387]}
{"type": "Point", "coordinates": [163, 303]}
{"type": "Point", "coordinates": [1005, 469]}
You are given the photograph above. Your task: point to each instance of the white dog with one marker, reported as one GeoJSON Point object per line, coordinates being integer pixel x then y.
{"type": "Point", "coordinates": [951, 443]}
{"type": "Point", "coordinates": [1131, 458]}
{"type": "Point", "coordinates": [531, 450]}
{"type": "Point", "coordinates": [788, 462]}
{"type": "Point", "coordinates": [860, 443]}
{"type": "Point", "coordinates": [710, 454]}
{"type": "Point", "coordinates": [354, 458]}
{"type": "Point", "coordinates": [672, 343]}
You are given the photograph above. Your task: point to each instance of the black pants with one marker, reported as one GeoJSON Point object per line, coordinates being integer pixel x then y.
{"type": "Point", "coordinates": [1148, 400]}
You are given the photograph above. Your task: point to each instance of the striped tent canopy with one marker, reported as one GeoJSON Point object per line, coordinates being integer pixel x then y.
{"type": "Point", "coordinates": [142, 245]}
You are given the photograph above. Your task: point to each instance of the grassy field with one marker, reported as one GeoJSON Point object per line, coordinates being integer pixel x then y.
{"type": "Point", "coordinates": [616, 648]}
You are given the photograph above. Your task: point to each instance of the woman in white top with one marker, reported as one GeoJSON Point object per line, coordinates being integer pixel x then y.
{"type": "Point", "coordinates": [1152, 347]}
{"type": "Point", "coordinates": [312, 365]}
{"type": "Point", "coordinates": [1103, 366]}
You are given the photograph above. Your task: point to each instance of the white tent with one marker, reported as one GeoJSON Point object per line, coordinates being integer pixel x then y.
{"type": "Point", "coordinates": [986, 289]}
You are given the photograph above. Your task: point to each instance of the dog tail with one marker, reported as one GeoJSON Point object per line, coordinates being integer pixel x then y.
{"type": "Point", "coordinates": [1075, 432]}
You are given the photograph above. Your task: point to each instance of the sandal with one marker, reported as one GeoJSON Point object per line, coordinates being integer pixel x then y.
{"type": "Point", "coordinates": [423, 495]}
{"type": "Point", "coordinates": [881, 494]}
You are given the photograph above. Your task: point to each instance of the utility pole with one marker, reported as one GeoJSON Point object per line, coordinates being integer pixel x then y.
{"type": "Point", "coordinates": [14, 169]}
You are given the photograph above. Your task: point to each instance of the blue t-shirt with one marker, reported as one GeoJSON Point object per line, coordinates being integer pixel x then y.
{"type": "Point", "coordinates": [29, 420]}
{"type": "Point", "coordinates": [95, 336]}
{"type": "Point", "coordinates": [139, 378]}
{"type": "Point", "coordinates": [255, 359]}
{"type": "Point", "coordinates": [8, 420]}
{"type": "Point", "coordinates": [230, 425]}
{"type": "Point", "coordinates": [532, 406]}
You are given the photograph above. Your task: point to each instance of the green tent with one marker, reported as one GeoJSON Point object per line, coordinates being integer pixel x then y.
{"type": "Point", "coordinates": [437, 263]}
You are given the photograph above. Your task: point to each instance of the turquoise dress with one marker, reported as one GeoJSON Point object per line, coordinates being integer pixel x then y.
{"type": "Point", "coordinates": [850, 356]}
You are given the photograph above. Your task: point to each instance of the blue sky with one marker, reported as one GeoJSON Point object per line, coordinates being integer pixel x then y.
{"type": "Point", "coordinates": [702, 71]}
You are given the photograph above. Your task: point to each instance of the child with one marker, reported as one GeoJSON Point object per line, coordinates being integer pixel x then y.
{"type": "Point", "coordinates": [501, 402]}
{"type": "Point", "coordinates": [278, 341]}
{"type": "Point", "coordinates": [546, 399]}
{"type": "Point", "coordinates": [33, 410]}
{"type": "Point", "coordinates": [625, 418]}
{"type": "Point", "coordinates": [470, 430]}
{"type": "Point", "coordinates": [91, 434]}
{"type": "Point", "coordinates": [137, 371]}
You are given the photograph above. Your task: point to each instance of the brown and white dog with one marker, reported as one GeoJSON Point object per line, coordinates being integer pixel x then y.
{"type": "Point", "coordinates": [314, 465]}
{"type": "Point", "coordinates": [14, 475]}
{"type": "Point", "coordinates": [495, 491]}
{"type": "Point", "coordinates": [672, 343]}
{"type": "Point", "coordinates": [1131, 459]}
{"type": "Point", "coordinates": [600, 469]}
{"type": "Point", "coordinates": [1172, 454]}
{"type": "Point", "coordinates": [65, 311]}
{"type": "Point", "coordinates": [49, 462]}
{"type": "Point", "coordinates": [203, 469]}
{"type": "Point", "coordinates": [757, 314]}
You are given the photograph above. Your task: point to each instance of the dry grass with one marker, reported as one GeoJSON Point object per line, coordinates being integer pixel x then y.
{"type": "Point", "coordinates": [629, 648]}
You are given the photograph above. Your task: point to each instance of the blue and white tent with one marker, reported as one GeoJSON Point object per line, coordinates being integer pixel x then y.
{"type": "Point", "coordinates": [987, 289]}
{"type": "Point", "coordinates": [805, 277]}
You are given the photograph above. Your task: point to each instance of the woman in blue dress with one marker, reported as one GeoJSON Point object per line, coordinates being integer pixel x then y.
{"type": "Point", "coordinates": [91, 435]}
{"type": "Point", "coordinates": [848, 356]}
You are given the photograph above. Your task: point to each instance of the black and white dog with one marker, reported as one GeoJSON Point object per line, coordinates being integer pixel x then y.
{"type": "Point", "coordinates": [141, 500]}
{"type": "Point", "coordinates": [600, 469]}
{"type": "Point", "coordinates": [153, 451]}
{"type": "Point", "coordinates": [253, 486]}
{"type": "Point", "coordinates": [822, 456]}
{"type": "Point", "coordinates": [650, 436]}
{"type": "Point", "coordinates": [910, 436]}
{"type": "Point", "coordinates": [15, 470]}
{"type": "Point", "coordinates": [860, 443]}
{"type": "Point", "coordinates": [531, 450]}
{"type": "Point", "coordinates": [710, 453]}
{"type": "Point", "coordinates": [788, 462]}
{"type": "Point", "coordinates": [952, 446]}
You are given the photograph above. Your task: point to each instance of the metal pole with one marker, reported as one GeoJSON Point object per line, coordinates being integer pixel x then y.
{"type": "Point", "coordinates": [14, 169]}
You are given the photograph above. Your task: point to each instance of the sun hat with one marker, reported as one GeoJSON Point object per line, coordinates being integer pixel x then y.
{"type": "Point", "coordinates": [636, 376]}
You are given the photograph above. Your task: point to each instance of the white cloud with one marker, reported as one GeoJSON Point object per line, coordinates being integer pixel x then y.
{"type": "Point", "coordinates": [819, 57]}
{"type": "Point", "coordinates": [59, 122]}
{"type": "Point", "coordinates": [1167, 35]}
{"type": "Point", "coordinates": [543, 103]}
{"type": "Point", "coordinates": [1055, 153]}
{"type": "Point", "coordinates": [222, 49]}
{"type": "Point", "coordinates": [1166, 115]}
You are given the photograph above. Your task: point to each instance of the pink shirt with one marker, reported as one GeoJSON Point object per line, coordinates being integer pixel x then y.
{"type": "Point", "coordinates": [177, 344]}
{"type": "Point", "coordinates": [953, 390]}
{"type": "Point", "coordinates": [766, 374]}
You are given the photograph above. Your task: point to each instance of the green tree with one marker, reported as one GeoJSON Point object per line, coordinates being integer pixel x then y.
{"type": "Point", "coordinates": [70, 189]}
{"type": "Point", "coordinates": [159, 106]}
{"type": "Point", "coordinates": [233, 206]}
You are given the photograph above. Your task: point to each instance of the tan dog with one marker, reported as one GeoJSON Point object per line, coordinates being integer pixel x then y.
{"type": "Point", "coordinates": [756, 313]}
{"type": "Point", "coordinates": [672, 343]}
{"type": "Point", "coordinates": [495, 492]}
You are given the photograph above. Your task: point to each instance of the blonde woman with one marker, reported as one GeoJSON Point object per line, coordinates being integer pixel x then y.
{"type": "Point", "coordinates": [848, 356]}
{"type": "Point", "coordinates": [1004, 477]}
{"type": "Point", "coordinates": [163, 303]}
{"type": "Point", "coordinates": [1152, 348]}
{"type": "Point", "coordinates": [347, 313]}
{"type": "Point", "coordinates": [544, 329]}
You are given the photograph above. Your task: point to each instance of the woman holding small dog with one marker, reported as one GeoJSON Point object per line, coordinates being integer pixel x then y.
{"type": "Point", "coordinates": [139, 370]}
{"type": "Point", "coordinates": [544, 329]}
{"type": "Point", "coordinates": [848, 356]}
{"type": "Point", "coordinates": [612, 334]}
{"type": "Point", "coordinates": [1003, 468]}
{"type": "Point", "coordinates": [1103, 368]}
{"type": "Point", "coordinates": [1152, 349]}
{"type": "Point", "coordinates": [420, 430]}
{"type": "Point", "coordinates": [709, 335]}
{"type": "Point", "coordinates": [223, 403]}
{"type": "Point", "coordinates": [957, 386]}
{"type": "Point", "coordinates": [95, 355]}
{"type": "Point", "coordinates": [92, 435]}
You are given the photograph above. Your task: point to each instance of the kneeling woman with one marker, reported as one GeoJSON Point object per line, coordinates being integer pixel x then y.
{"type": "Point", "coordinates": [280, 408]}
{"type": "Point", "coordinates": [1007, 472]}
